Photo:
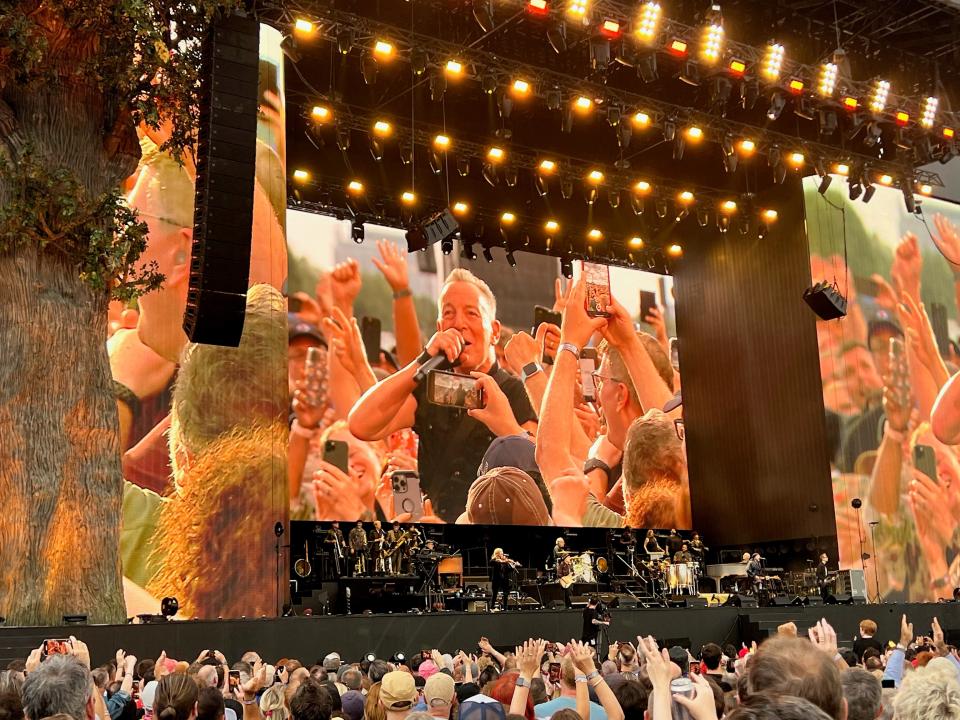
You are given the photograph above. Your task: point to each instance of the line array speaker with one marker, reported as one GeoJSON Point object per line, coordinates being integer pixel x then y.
{"type": "Point", "coordinates": [226, 170]}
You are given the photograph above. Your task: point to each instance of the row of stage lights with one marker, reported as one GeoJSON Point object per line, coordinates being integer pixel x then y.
{"type": "Point", "coordinates": [823, 82]}
{"type": "Point", "coordinates": [495, 156]}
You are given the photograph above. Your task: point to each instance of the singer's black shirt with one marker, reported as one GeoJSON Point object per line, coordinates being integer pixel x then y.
{"type": "Point", "coordinates": [452, 444]}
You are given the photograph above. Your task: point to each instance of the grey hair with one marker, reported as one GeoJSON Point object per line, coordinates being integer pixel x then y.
{"type": "Point", "coordinates": [927, 696]}
{"type": "Point", "coordinates": [60, 685]}
{"type": "Point", "coordinates": [862, 692]}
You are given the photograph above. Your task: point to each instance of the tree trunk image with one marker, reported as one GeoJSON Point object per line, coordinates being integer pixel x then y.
{"type": "Point", "coordinates": [60, 479]}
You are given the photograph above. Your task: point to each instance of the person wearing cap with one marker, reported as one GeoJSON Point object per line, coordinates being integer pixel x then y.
{"type": "Point", "coordinates": [452, 442]}
{"type": "Point", "coordinates": [398, 693]}
{"type": "Point", "coordinates": [505, 496]}
{"type": "Point", "coordinates": [482, 707]}
{"type": "Point", "coordinates": [352, 702]}
{"type": "Point", "coordinates": [440, 695]}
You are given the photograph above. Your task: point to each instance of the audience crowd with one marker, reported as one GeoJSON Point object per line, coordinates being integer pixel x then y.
{"type": "Point", "coordinates": [787, 677]}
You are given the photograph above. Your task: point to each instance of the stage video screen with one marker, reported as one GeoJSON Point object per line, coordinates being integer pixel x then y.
{"type": "Point", "coordinates": [889, 392]}
{"type": "Point", "coordinates": [412, 364]}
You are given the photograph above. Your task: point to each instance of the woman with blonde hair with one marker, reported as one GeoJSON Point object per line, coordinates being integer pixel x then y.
{"type": "Point", "coordinates": [273, 704]}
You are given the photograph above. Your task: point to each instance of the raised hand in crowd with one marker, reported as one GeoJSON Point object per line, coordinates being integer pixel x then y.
{"type": "Point", "coordinates": [345, 285]}
{"type": "Point", "coordinates": [160, 666]}
{"type": "Point", "coordinates": [907, 265]}
{"type": "Point", "coordinates": [338, 496]}
{"type": "Point", "coordinates": [496, 413]}
{"type": "Point", "coordinates": [346, 342]}
{"type": "Point", "coordinates": [660, 671]}
{"type": "Point", "coordinates": [824, 638]}
{"type": "Point", "coordinates": [560, 296]}
{"type": "Point", "coordinates": [619, 332]}
{"type": "Point", "coordinates": [569, 490]}
{"type": "Point", "coordinates": [947, 240]}
{"type": "Point", "coordinates": [701, 706]}
{"type": "Point", "coordinates": [393, 264]}
{"type": "Point", "coordinates": [934, 525]}
{"type": "Point", "coordinates": [922, 339]}
{"type": "Point", "coordinates": [655, 320]}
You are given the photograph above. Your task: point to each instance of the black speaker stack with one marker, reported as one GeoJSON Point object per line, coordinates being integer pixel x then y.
{"type": "Point", "coordinates": [226, 170]}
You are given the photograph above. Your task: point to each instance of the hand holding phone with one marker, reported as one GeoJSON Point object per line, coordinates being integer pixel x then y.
{"type": "Point", "coordinates": [337, 453]}
{"type": "Point", "coordinates": [925, 460]}
{"type": "Point", "coordinates": [406, 494]}
{"type": "Point", "coordinates": [454, 390]}
{"type": "Point", "coordinates": [597, 282]}
{"type": "Point", "coordinates": [588, 366]}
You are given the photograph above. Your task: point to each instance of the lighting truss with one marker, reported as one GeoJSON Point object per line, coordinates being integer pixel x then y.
{"type": "Point", "coordinates": [544, 81]}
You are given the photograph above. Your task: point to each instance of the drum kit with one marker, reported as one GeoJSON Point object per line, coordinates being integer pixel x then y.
{"type": "Point", "coordinates": [672, 579]}
{"type": "Point", "coordinates": [578, 567]}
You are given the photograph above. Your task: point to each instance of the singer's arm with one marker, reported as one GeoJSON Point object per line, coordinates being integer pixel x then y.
{"type": "Point", "coordinates": [386, 407]}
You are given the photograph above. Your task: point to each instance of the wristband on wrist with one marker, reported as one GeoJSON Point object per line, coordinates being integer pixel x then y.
{"type": "Point", "coordinates": [569, 347]}
{"type": "Point", "coordinates": [580, 678]}
{"type": "Point", "coordinates": [594, 674]}
{"type": "Point", "coordinates": [297, 429]}
{"type": "Point", "coordinates": [895, 435]}
{"type": "Point", "coordinates": [596, 464]}
{"type": "Point", "coordinates": [248, 702]}
{"type": "Point", "coordinates": [405, 292]}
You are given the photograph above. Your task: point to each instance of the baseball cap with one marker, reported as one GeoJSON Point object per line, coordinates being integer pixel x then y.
{"type": "Point", "coordinates": [397, 690]}
{"type": "Point", "coordinates": [880, 322]}
{"type": "Point", "coordinates": [332, 662]}
{"type": "Point", "coordinates": [481, 707]}
{"type": "Point", "coordinates": [438, 690]}
{"type": "Point", "coordinates": [506, 496]}
{"type": "Point", "coordinates": [147, 694]}
{"type": "Point", "coordinates": [510, 451]}
{"type": "Point", "coordinates": [298, 328]}
{"type": "Point", "coordinates": [427, 668]}
{"type": "Point", "coordinates": [352, 704]}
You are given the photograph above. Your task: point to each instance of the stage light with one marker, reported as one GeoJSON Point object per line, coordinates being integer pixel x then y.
{"type": "Point", "coordinates": [546, 167]}
{"type": "Point", "coordinates": [557, 36]}
{"type": "Point", "coordinates": [948, 133]}
{"type": "Point", "coordinates": [796, 159]}
{"type": "Point", "coordinates": [850, 103]}
{"type": "Point", "coordinates": [511, 260]}
{"type": "Point", "coordinates": [694, 133]}
{"type": "Point", "coordinates": [613, 116]}
{"type": "Point", "coordinates": [712, 43]}
{"type": "Point", "coordinates": [369, 68]}
{"type": "Point", "coordinates": [674, 250]}
{"type": "Point", "coordinates": [343, 139]}
{"type": "Point", "coordinates": [495, 154]}
{"type": "Point", "coordinates": [828, 80]}
{"type": "Point", "coordinates": [824, 184]}
{"type": "Point", "coordinates": [355, 187]}
{"type": "Point", "coordinates": [538, 7]}
{"type": "Point", "coordinates": [660, 205]}
{"type": "Point", "coordinates": [441, 142]}
{"type": "Point", "coordinates": [925, 189]}
{"type": "Point", "coordinates": [594, 235]}
{"type": "Point", "coordinates": [878, 101]}
{"type": "Point", "coordinates": [690, 73]}
{"type": "Point", "coordinates": [610, 28]}
{"type": "Point", "coordinates": [508, 218]}
{"type": "Point", "coordinates": [703, 216]}
{"type": "Point", "coordinates": [460, 208]}
{"type": "Point", "coordinates": [551, 226]}
{"type": "Point", "coordinates": [678, 48]}
{"type": "Point", "coordinates": [685, 197]}
{"type": "Point", "coordinates": [796, 86]}
{"type": "Point", "coordinates": [647, 66]}
{"type": "Point", "coordinates": [929, 112]}
{"type": "Point", "coordinates": [566, 188]}
{"type": "Point", "coordinates": [854, 189]}
{"type": "Point", "coordinates": [649, 21]}
{"type": "Point", "coordinates": [487, 255]}
{"type": "Point", "coordinates": [303, 27]}
{"type": "Point", "coordinates": [635, 242]}
{"type": "Point", "coordinates": [583, 104]}
{"type": "Point", "coordinates": [408, 198]}
{"type": "Point", "coordinates": [578, 8]}
{"type": "Point", "coordinates": [418, 61]}
{"type": "Point", "coordinates": [769, 215]}
{"type": "Point", "coordinates": [747, 147]}
{"type": "Point", "coordinates": [777, 104]}
{"type": "Point", "coordinates": [772, 61]}
{"type": "Point", "coordinates": [357, 232]}
{"type": "Point", "coordinates": [902, 118]}
{"type": "Point", "coordinates": [641, 119]}
{"type": "Point", "coordinates": [642, 187]}
{"type": "Point", "coordinates": [344, 42]}
{"type": "Point", "coordinates": [566, 267]}
{"type": "Point", "coordinates": [728, 206]}
{"type": "Point", "coordinates": [595, 177]}
{"type": "Point", "coordinates": [381, 128]}
{"type": "Point", "coordinates": [886, 180]}
{"type": "Point", "coordinates": [868, 192]}
{"type": "Point", "coordinates": [321, 113]}
{"type": "Point", "coordinates": [383, 49]}
{"type": "Point", "coordinates": [454, 67]}
{"type": "Point", "coordinates": [521, 87]}
{"type": "Point", "coordinates": [841, 169]}
{"type": "Point", "coordinates": [301, 175]}
{"type": "Point", "coordinates": [737, 67]}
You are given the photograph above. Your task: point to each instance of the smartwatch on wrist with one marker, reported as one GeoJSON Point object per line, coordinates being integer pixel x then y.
{"type": "Point", "coordinates": [596, 464]}
{"type": "Point", "coordinates": [529, 370]}
{"type": "Point", "coordinates": [522, 683]}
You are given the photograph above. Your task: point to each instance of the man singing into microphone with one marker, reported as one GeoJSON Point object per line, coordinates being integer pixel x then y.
{"type": "Point", "coordinates": [452, 442]}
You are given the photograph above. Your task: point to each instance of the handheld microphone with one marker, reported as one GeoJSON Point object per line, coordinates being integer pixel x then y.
{"type": "Point", "coordinates": [437, 362]}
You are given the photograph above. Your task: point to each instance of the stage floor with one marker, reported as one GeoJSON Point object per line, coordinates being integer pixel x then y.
{"type": "Point", "coordinates": [310, 638]}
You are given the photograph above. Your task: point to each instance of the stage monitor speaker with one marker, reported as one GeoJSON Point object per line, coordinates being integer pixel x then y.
{"type": "Point", "coordinates": [627, 602]}
{"type": "Point", "coordinates": [556, 605]}
{"type": "Point", "coordinates": [741, 601]}
{"type": "Point", "coordinates": [813, 600]}
{"type": "Point", "coordinates": [696, 601]}
{"type": "Point", "coordinates": [840, 599]}
{"type": "Point", "coordinates": [781, 600]}
{"type": "Point", "coordinates": [226, 170]}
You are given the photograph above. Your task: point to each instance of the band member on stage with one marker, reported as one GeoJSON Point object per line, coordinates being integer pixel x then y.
{"type": "Point", "coordinates": [378, 540]}
{"type": "Point", "coordinates": [335, 546]}
{"type": "Point", "coordinates": [697, 548]}
{"type": "Point", "coordinates": [501, 571]}
{"type": "Point", "coordinates": [559, 552]}
{"type": "Point", "coordinates": [823, 575]}
{"type": "Point", "coordinates": [754, 569]}
{"type": "Point", "coordinates": [628, 542]}
{"type": "Point", "coordinates": [683, 554]}
{"type": "Point", "coordinates": [358, 549]}
{"type": "Point", "coordinates": [396, 539]}
{"type": "Point", "coordinates": [650, 544]}
{"type": "Point", "coordinates": [594, 619]}
{"type": "Point", "coordinates": [674, 541]}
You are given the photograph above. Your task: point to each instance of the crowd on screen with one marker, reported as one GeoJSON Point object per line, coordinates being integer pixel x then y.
{"type": "Point", "coordinates": [790, 676]}
{"type": "Point", "coordinates": [892, 397]}
{"type": "Point", "coordinates": [536, 445]}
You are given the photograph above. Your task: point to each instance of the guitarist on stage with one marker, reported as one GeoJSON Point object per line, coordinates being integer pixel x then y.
{"type": "Point", "coordinates": [823, 575]}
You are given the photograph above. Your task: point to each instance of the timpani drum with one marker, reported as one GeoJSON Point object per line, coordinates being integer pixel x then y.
{"type": "Point", "coordinates": [681, 577]}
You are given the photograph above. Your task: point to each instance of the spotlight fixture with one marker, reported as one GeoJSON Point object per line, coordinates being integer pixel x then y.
{"type": "Point", "coordinates": [441, 142]}
{"type": "Point", "coordinates": [301, 175]}
{"type": "Point", "coordinates": [685, 197]}
{"type": "Point", "coordinates": [553, 99]}
{"type": "Point", "coordinates": [694, 133]}
{"type": "Point", "coordinates": [669, 130]}
{"type": "Point", "coordinates": [345, 41]}
{"type": "Point", "coordinates": [510, 175]}
{"type": "Point", "coordinates": [566, 188]}
{"type": "Point", "coordinates": [355, 187]}
{"type": "Point", "coordinates": [878, 100]}
{"type": "Point", "coordinates": [712, 44]}
{"type": "Point", "coordinates": [557, 37]}
{"type": "Point", "coordinates": [777, 103]}
{"type": "Point", "coordinates": [929, 115]}
{"type": "Point", "coordinates": [648, 22]}
{"type": "Point", "coordinates": [886, 179]}
{"type": "Point", "coordinates": [703, 216]}
{"type": "Point", "coordinates": [463, 166]}
{"type": "Point", "coordinates": [690, 73]}
{"type": "Point", "coordinates": [641, 120]}
{"type": "Point", "coordinates": [578, 8]}
{"type": "Point", "coordinates": [661, 207]}
{"type": "Point", "coordinates": [728, 207]}
{"type": "Point", "coordinates": [537, 7]}
{"type": "Point", "coordinates": [381, 128]}
{"type": "Point", "coordinates": [795, 86]}
{"type": "Point", "coordinates": [303, 27]}
{"type": "Point", "coordinates": [636, 242]}
{"type": "Point", "coordinates": [583, 104]}
{"type": "Point", "coordinates": [418, 61]}
{"type": "Point", "coordinates": [454, 68]}
{"type": "Point", "coordinates": [641, 187]}
{"type": "Point", "coordinates": [772, 62]}
{"type": "Point", "coordinates": [511, 260]}
{"type": "Point", "coordinates": [520, 87]}
{"type": "Point", "coordinates": [841, 169]}
{"type": "Point", "coordinates": [566, 267]}
{"type": "Point", "coordinates": [489, 173]}
{"type": "Point", "coordinates": [854, 189]}
{"type": "Point", "coordinates": [747, 147]}
{"type": "Point", "coordinates": [828, 79]}
{"type": "Point", "coordinates": [926, 189]}
{"type": "Point", "coordinates": [749, 93]}
{"type": "Point", "coordinates": [796, 159]}
{"type": "Point", "coordinates": [321, 114]}
{"type": "Point", "coordinates": [483, 14]}
{"type": "Point", "coordinates": [551, 226]}
{"type": "Point", "coordinates": [674, 250]}
{"type": "Point", "coordinates": [827, 120]}
{"type": "Point", "coordinates": [487, 255]}
{"type": "Point", "coordinates": [824, 184]}
{"type": "Point", "coordinates": [357, 232]}
{"type": "Point", "coordinates": [495, 154]}
{"type": "Point", "coordinates": [679, 143]}
{"type": "Point", "coordinates": [594, 235]}
{"type": "Point", "coordinates": [460, 208]}
{"type": "Point", "coordinates": [408, 198]}
{"type": "Point", "coordinates": [595, 177]}
{"type": "Point", "coordinates": [646, 64]}
{"type": "Point", "coordinates": [909, 200]}
{"type": "Point", "coordinates": [343, 139]}
{"type": "Point", "coordinates": [438, 86]}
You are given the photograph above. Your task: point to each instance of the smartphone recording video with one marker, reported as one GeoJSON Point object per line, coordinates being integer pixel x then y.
{"type": "Point", "coordinates": [337, 453]}
{"type": "Point", "coordinates": [55, 647]}
{"type": "Point", "coordinates": [597, 280]}
{"type": "Point", "coordinates": [554, 672]}
{"type": "Point", "coordinates": [588, 366]}
{"type": "Point", "coordinates": [453, 390]}
{"type": "Point", "coordinates": [234, 680]}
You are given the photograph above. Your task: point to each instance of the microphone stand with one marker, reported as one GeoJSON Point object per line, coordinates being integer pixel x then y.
{"type": "Point", "coordinates": [857, 504]}
{"type": "Point", "coordinates": [876, 559]}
